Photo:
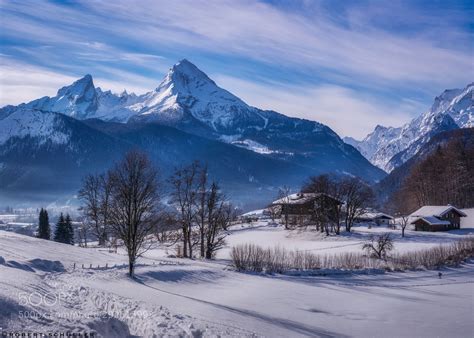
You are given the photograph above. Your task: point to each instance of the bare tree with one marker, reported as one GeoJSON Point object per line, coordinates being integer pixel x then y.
{"type": "Point", "coordinates": [95, 196]}
{"type": "Point", "coordinates": [183, 196]}
{"type": "Point", "coordinates": [134, 201]}
{"type": "Point", "coordinates": [274, 210]}
{"type": "Point", "coordinates": [83, 233]}
{"type": "Point", "coordinates": [284, 196]}
{"type": "Point", "coordinates": [327, 214]}
{"type": "Point", "coordinates": [357, 196]}
{"type": "Point", "coordinates": [403, 221]}
{"type": "Point", "coordinates": [201, 206]}
{"type": "Point", "coordinates": [379, 246]}
{"type": "Point", "coordinates": [219, 215]}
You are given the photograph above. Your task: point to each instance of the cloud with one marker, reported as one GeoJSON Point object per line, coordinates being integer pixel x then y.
{"type": "Point", "coordinates": [344, 110]}
{"type": "Point", "coordinates": [20, 82]}
{"type": "Point", "coordinates": [346, 63]}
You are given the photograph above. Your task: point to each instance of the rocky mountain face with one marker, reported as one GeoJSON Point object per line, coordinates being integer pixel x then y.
{"type": "Point", "coordinates": [187, 117]}
{"type": "Point", "coordinates": [388, 147]}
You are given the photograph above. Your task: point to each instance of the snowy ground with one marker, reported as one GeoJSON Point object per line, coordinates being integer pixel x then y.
{"type": "Point", "coordinates": [178, 297]}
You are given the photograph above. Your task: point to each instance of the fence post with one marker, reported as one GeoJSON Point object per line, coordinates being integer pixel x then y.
{"type": "Point", "coordinates": [83, 265]}
{"type": "Point", "coordinates": [90, 267]}
{"type": "Point", "coordinates": [106, 265]}
{"type": "Point", "coordinates": [74, 267]}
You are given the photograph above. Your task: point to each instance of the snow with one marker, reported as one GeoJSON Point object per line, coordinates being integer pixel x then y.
{"type": "Point", "coordinates": [435, 210]}
{"type": "Point", "coordinates": [24, 123]}
{"type": "Point", "coordinates": [468, 221]}
{"type": "Point", "coordinates": [180, 297]}
{"type": "Point", "coordinates": [453, 108]}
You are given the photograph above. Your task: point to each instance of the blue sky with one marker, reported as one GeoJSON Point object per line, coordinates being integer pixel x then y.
{"type": "Point", "coordinates": [349, 64]}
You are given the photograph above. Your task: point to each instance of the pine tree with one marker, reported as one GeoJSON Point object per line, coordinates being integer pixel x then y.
{"type": "Point", "coordinates": [69, 230]}
{"type": "Point", "coordinates": [60, 233]}
{"type": "Point", "coordinates": [44, 230]}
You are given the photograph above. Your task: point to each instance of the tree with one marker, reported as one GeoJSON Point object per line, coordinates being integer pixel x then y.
{"type": "Point", "coordinates": [219, 215]}
{"type": "Point", "coordinates": [184, 184]}
{"type": "Point", "coordinates": [201, 206]}
{"type": "Point", "coordinates": [69, 230]}
{"type": "Point", "coordinates": [403, 221]}
{"type": "Point", "coordinates": [379, 246]}
{"type": "Point", "coordinates": [357, 196]}
{"type": "Point", "coordinates": [95, 196]}
{"type": "Point", "coordinates": [64, 232]}
{"type": "Point", "coordinates": [327, 214]}
{"type": "Point", "coordinates": [445, 176]}
{"type": "Point", "coordinates": [44, 229]}
{"type": "Point", "coordinates": [284, 197]}
{"type": "Point", "coordinates": [133, 204]}
{"type": "Point", "coordinates": [83, 233]}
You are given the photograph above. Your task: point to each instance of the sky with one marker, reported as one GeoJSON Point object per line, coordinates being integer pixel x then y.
{"type": "Point", "coordinates": [348, 64]}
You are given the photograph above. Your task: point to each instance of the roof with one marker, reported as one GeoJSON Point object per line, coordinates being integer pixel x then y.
{"type": "Point", "coordinates": [374, 215]}
{"type": "Point", "coordinates": [431, 220]}
{"type": "Point", "coordinates": [301, 198]}
{"type": "Point", "coordinates": [436, 210]}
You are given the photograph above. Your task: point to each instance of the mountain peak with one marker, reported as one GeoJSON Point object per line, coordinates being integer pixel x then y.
{"type": "Point", "coordinates": [185, 74]}
{"type": "Point", "coordinates": [79, 87]}
{"type": "Point", "coordinates": [185, 66]}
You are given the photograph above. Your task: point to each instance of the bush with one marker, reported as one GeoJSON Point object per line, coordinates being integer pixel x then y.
{"type": "Point", "coordinates": [250, 257]}
{"type": "Point", "coordinates": [379, 246]}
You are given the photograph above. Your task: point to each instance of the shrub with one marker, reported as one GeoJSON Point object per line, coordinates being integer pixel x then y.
{"type": "Point", "coordinates": [379, 246]}
{"type": "Point", "coordinates": [251, 257]}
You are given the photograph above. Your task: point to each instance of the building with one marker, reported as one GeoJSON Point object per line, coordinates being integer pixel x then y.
{"type": "Point", "coordinates": [302, 208]}
{"type": "Point", "coordinates": [378, 218]}
{"type": "Point", "coordinates": [437, 218]}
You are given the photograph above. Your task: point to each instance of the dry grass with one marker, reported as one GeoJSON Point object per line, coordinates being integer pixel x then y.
{"type": "Point", "coordinates": [250, 257]}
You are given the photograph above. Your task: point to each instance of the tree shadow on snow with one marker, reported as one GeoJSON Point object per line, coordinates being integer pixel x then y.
{"type": "Point", "coordinates": [280, 322]}
{"type": "Point", "coordinates": [181, 275]}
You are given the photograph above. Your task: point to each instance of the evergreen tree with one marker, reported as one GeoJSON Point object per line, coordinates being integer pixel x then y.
{"type": "Point", "coordinates": [44, 230]}
{"type": "Point", "coordinates": [61, 233]}
{"type": "Point", "coordinates": [69, 230]}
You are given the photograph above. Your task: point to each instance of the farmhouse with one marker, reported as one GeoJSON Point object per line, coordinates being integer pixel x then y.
{"type": "Point", "coordinates": [437, 218]}
{"type": "Point", "coordinates": [301, 208]}
{"type": "Point", "coordinates": [374, 217]}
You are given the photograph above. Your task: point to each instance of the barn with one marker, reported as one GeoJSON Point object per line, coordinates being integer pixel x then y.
{"type": "Point", "coordinates": [301, 208]}
{"type": "Point", "coordinates": [437, 218]}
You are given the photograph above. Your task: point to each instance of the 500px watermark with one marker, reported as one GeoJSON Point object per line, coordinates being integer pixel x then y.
{"type": "Point", "coordinates": [37, 299]}
{"type": "Point", "coordinates": [5, 334]}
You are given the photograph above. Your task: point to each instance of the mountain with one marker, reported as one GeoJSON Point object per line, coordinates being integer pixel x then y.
{"type": "Point", "coordinates": [186, 117]}
{"type": "Point", "coordinates": [391, 183]}
{"type": "Point", "coordinates": [43, 155]}
{"type": "Point", "coordinates": [388, 147]}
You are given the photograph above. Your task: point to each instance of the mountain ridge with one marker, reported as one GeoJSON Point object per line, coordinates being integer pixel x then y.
{"type": "Point", "coordinates": [389, 147]}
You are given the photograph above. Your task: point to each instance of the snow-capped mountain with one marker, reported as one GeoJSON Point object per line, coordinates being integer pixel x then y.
{"type": "Point", "coordinates": [187, 117]}
{"type": "Point", "coordinates": [29, 123]}
{"type": "Point", "coordinates": [82, 100]}
{"type": "Point", "coordinates": [388, 147]}
{"type": "Point", "coordinates": [187, 99]}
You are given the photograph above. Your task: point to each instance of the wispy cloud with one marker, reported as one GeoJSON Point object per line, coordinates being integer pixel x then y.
{"type": "Point", "coordinates": [366, 55]}
{"type": "Point", "coordinates": [345, 110]}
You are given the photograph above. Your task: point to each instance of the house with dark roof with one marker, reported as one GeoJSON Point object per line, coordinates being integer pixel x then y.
{"type": "Point", "coordinates": [437, 218]}
{"type": "Point", "coordinates": [301, 208]}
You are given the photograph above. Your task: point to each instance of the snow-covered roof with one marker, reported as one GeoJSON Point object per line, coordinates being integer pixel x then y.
{"type": "Point", "coordinates": [436, 210]}
{"type": "Point", "coordinates": [431, 220]}
{"type": "Point", "coordinates": [374, 215]}
{"type": "Point", "coordinates": [299, 198]}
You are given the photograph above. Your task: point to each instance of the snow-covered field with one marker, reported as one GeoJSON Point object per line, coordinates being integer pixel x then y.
{"type": "Point", "coordinates": [179, 297]}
